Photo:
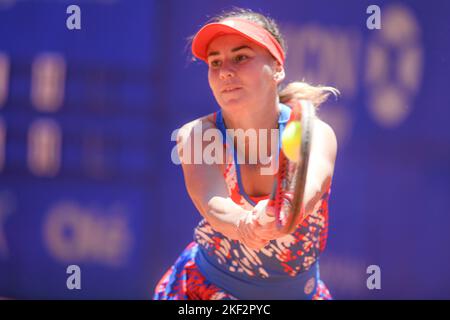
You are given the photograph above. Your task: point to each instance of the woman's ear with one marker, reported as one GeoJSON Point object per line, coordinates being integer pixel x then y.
{"type": "Point", "coordinates": [279, 74]}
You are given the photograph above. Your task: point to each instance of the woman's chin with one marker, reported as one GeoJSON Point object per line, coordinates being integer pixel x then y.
{"type": "Point", "coordinates": [234, 104]}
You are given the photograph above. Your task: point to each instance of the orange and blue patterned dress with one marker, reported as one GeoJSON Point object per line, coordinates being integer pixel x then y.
{"type": "Point", "coordinates": [214, 267]}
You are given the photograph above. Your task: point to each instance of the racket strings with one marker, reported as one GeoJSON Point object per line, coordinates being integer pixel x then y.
{"type": "Point", "coordinates": [282, 201]}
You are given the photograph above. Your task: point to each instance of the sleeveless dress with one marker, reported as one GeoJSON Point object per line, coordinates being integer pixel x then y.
{"type": "Point", "coordinates": [214, 267]}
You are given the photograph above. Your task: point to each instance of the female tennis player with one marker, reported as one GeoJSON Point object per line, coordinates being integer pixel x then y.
{"type": "Point", "coordinates": [235, 255]}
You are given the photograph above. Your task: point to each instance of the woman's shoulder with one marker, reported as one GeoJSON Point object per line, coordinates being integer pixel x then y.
{"type": "Point", "coordinates": [197, 126]}
{"type": "Point", "coordinates": [207, 120]}
{"type": "Point", "coordinates": [325, 128]}
{"type": "Point", "coordinates": [326, 137]}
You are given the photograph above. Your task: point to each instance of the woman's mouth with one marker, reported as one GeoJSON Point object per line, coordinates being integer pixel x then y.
{"type": "Point", "coordinates": [230, 89]}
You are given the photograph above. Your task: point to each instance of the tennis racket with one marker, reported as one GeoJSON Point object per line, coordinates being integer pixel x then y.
{"type": "Point", "coordinates": [288, 190]}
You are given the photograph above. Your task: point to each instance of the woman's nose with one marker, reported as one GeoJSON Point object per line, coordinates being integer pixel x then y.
{"type": "Point", "coordinates": [226, 71]}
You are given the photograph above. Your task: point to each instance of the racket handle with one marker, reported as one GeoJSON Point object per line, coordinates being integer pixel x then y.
{"type": "Point", "coordinates": [264, 218]}
{"type": "Point", "coordinates": [261, 212]}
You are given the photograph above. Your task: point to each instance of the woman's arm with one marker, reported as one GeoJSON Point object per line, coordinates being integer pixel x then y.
{"type": "Point", "coordinates": [321, 165]}
{"type": "Point", "coordinates": [206, 185]}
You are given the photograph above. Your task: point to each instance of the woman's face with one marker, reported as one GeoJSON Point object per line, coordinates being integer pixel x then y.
{"type": "Point", "coordinates": [241, 73]}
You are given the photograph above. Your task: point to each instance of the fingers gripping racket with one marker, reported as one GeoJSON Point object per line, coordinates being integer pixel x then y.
{"type": "Point", "coordinates": [287, 197]}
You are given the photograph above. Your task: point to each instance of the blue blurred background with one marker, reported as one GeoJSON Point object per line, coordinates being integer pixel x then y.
{"type": "Point", "coordinates": [86, 118]}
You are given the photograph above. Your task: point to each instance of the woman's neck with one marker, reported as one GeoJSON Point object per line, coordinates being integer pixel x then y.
{"type": "Point", "coordinates": [253, 118]}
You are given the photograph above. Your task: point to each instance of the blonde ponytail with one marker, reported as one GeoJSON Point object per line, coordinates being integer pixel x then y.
{"type": "Point", "coordinates": [302, 90]}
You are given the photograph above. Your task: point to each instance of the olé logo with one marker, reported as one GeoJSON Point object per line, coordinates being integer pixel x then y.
{"type": "Point", "coordinates": [75, 233]}
{"type": "Point", "coordinates": [374, 20]}
{"type": "Point", "coordinates": [374, 280]}
{"type": "Point", "coordinates": [74, 20]}
{"type": "Point", "coordinates": [74, 280]}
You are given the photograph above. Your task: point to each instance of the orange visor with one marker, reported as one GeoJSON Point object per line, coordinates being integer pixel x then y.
{"type": "Point", "coordinates": [242, 27]}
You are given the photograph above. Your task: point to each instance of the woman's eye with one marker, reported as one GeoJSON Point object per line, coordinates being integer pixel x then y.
{"type": "Point", "coordinates": [240, 58]}
{"type": "Point", "coordinates": [214, 63]}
